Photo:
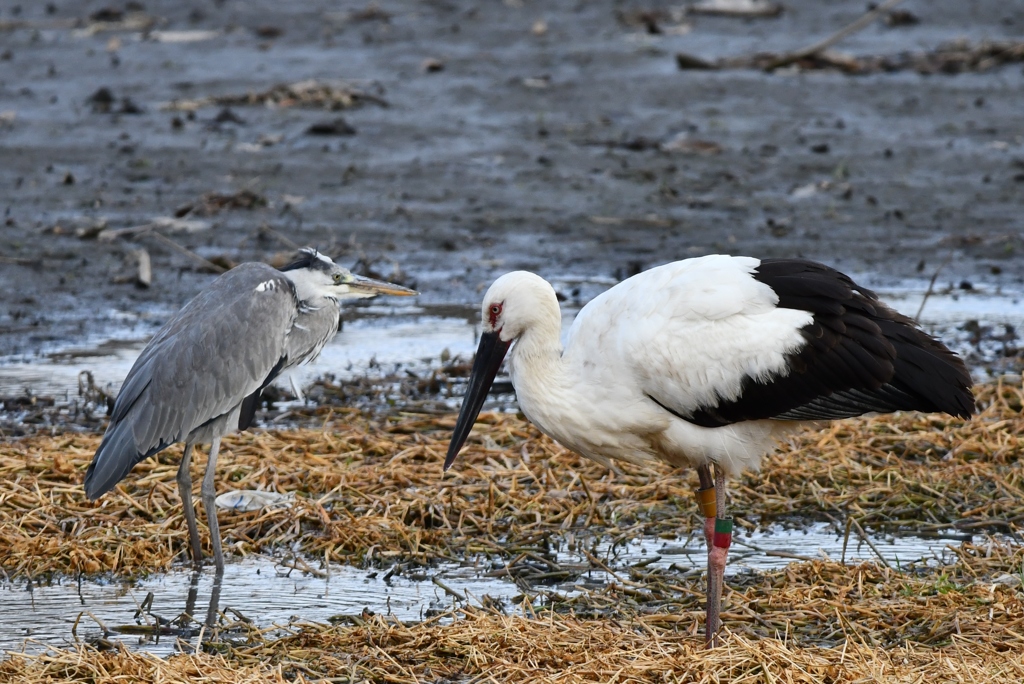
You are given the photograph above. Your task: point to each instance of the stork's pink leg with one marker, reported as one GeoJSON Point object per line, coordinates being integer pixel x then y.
{"type": "Point", "coordinates": [718, 552]}
{"type": "Point", "coordinates": [707, 503]}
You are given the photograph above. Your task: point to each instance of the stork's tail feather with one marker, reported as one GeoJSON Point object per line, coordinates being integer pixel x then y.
{"type": "Point", "coordinates": [928, 371]}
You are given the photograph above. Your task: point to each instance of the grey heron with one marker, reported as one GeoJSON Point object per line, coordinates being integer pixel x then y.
{"type": "Point", "coordinates": [705, 361]}
{"type": "Point", "coordinates": [201, 375]}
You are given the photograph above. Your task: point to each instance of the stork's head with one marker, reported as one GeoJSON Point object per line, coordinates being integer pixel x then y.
{"type": "Point", "coordinates": [515, 304]}
{"type": "Point", "coordinates": [315, 275]}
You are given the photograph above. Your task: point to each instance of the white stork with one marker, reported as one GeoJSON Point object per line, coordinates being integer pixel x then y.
{"type": "Point", "coordinates": [707, 361]}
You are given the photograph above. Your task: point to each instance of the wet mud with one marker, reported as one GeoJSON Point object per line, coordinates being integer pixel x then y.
{"type": "Point", "coordinates": [444, 143]}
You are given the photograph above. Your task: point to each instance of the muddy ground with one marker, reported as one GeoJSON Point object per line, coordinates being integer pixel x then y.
{"type": "Point", "coordinates": [483, 137]}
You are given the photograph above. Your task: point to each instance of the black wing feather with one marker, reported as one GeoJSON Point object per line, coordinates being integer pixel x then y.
{"type": "Point", "coordinates": [860, 357]}
{"type": "Point", "coordinates": [252, 402]}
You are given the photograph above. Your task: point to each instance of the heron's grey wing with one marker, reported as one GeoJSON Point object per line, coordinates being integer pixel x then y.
{"type": "Point", "coordinates": [199, 366]}
{"type": "Point", "coordinates": [314, 326]}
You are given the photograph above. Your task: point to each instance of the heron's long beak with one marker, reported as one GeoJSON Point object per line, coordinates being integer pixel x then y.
{"type": "Point", "coordinates": [369, 286]}
{"type": "Point", "coordinates": [489, 356]}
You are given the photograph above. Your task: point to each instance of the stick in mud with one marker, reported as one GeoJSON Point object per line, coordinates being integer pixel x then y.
{"type": "Point", "coordinates": [863, 22]}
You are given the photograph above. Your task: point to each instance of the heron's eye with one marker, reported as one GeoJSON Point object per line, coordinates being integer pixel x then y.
{"type": "Point", "coordinates": [337, 277]}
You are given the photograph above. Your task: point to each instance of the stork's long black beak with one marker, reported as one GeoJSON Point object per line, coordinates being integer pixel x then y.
{"type": "Point", "coordinates": [489, 356]}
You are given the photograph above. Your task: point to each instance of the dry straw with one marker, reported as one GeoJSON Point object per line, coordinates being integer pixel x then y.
{"type": "Point", "coordinates": [371, 491]}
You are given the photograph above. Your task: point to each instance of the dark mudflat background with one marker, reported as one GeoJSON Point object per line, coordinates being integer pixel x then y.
{"type": "Point", "coordinates": [539, 143]}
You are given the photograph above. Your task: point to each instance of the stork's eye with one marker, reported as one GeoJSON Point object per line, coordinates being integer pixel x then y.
{"type": "Point", "coordinates": [493, 312]}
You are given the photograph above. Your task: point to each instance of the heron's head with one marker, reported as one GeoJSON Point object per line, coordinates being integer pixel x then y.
{"type": "Point", "coordinates": [315, 275]}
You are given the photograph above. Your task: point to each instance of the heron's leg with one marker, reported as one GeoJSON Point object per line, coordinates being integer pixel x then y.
{"type": "Point", "coordinates": [211, 611]}
{"type": "Point", "coordinates": [209, 494]}
{"type": "Point", "coordinates": [190, 600]}
{"type": "Point", "coordinates": [185, 490]}
{"type": "Point", "coordinates": [717, 555]}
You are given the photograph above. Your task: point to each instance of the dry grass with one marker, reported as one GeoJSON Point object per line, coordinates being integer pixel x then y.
{"type": "Point", "coordinates": [371, 490]}
{"type": "Point", "coordinates": [483, 647]}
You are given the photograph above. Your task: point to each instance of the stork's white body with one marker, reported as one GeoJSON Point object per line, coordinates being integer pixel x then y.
{"type": "Point", "coordinates": [686, 334]}
{"type": "Point", "coordinates": [706, 361]}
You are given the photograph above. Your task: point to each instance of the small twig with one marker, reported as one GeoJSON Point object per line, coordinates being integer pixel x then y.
{"type": "Point", "coordinates": [928, 292]}
{"type": "Point", "coordinates": [190, 254]}
{"type": "Point", "coordinates": [821, 45]}
{"type": "Point", "coordinates": [599, 563]}
{"type": "Point", "coordinates": [846, 539]}
{"type": "Point", "coordinates": [19, 261]}
{"type": "Point", "coordinates": [278, 236]}
{"type": "Point", "coordinates": [296, 563]}
{"type": "Point", "coordinates": [864, 535]}
{"type": "Point", "coordinates": [448, 590]}
{"type": "Point", "coordinates": [776, 554]}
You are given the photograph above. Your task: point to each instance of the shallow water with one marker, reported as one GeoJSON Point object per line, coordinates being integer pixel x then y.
{"type": "Point", "coordinates": [262, 590]}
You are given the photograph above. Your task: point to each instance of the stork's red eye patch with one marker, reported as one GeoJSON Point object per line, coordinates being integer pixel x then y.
{"type": "Point", "coordinates": [495, 311]}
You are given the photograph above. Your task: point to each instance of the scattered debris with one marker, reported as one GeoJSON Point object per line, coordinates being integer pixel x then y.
{"type": "Point", "coordinates": [684, 144]}
{"type": "Point", "coordinates": [108, 19]}
{"type": "Point", "coordinates": [431, 65]}
{"type": "Point", "coordinates": [685, 62]}
{"type": "Point", "coordinates": [336, 126]}
{"type": "Point", "coordinates": [901, 18]}
{"type": "Point", "coordinates": [268, 31]}
{"type": "Point", "coordinates": [213, 203]}
{"type": "Point", "coordinates": [372, 12]}
{"type": "Point", "coordinates": [165, 223]}
{"type": "Point", "coordinates": [145, 275]}
{"type": "Point", "coordinates": [226, 115]}
{"type": "Point", "coordinates": [188, 36]}
{"type": "Point", "coordinates": [655, 21]}
{"type": "Point", "coordinates": [952, 58]}
{"type": "Point", "coordinates": [103, 101]}
{"type": "Point", "coordinates": [537, 82]}
{"type": "Point", "coordinates": [311, 94]}
{"type": "Point", "coordinates": [736, 8]}
{"type": "Point", "coordinates": [248, 500]}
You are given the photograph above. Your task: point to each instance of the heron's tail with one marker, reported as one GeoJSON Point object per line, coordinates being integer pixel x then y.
{"type": "Point", "coordinates": [114, 459]}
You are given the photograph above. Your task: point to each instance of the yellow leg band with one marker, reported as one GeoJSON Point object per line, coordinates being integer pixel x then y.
{"type": "Point", "coordinates": [706, 502]}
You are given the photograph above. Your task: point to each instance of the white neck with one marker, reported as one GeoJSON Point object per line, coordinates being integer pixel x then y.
{"type": "Point", "coordinates": [536, 364]}
{"type": "Point", "coordinates": [307, 290]}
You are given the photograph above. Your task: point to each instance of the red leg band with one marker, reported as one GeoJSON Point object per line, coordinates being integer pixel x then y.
{"type": "Point", "coordinates": [723, 533]}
